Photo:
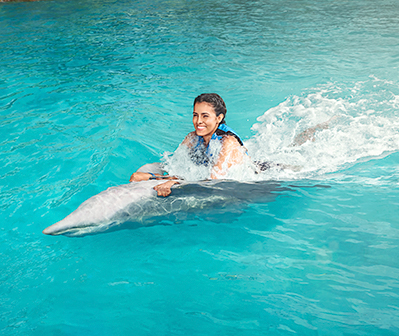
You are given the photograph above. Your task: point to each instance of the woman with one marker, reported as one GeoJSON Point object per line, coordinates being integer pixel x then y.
{"type": "Point", "coordinates": [212, 142]}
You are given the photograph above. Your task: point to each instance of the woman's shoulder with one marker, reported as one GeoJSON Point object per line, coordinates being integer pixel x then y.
{"type": "Point", "coordinates": [230, 141]}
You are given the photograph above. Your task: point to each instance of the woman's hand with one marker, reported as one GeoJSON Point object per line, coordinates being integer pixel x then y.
{"type": "Point", "coordinates": [164, 188]}
{"type": "Point", "coordinates": [136, 177]}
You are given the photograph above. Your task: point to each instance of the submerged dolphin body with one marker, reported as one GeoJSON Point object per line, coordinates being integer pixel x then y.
{"type": "Point", "coordinates": [137, 201]}
{"type": "Point", "coordinates": [128, 202]}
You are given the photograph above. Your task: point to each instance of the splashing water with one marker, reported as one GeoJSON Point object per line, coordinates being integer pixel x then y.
{"type": "Point", "coordinates": [180, 162]}
{"type": "Point", "coordinates": [360, 124]}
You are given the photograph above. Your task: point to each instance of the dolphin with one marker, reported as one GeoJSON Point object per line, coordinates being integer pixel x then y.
{"type": "Point", "coordinates": [108, 208]}
{"type": "Point", "coordinates": [138, 202]}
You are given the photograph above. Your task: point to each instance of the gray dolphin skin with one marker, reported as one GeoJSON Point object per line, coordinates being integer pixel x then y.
{"type": "Point", "coordinates": [110, 207]}
{"type": "Point", "coordinates": [138, 202]}
{"type": "Point", "coordinates": [133, 202]}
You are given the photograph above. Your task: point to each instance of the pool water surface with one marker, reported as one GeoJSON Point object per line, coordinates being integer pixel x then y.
{"type": "Point", "coordinates": [92, 90]}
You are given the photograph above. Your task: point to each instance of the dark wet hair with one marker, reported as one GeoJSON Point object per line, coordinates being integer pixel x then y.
{"type": "Point", "coordinates": [216, 101]}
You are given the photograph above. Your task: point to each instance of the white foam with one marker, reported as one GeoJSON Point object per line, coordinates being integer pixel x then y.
{"type": "Point", "coordinates": [180, 164]}
{"type": "Point", "coordinates": [366, 125]}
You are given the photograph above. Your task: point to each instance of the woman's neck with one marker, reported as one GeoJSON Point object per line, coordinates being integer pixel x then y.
{"type": "Point", "coordinates": [206, 139]}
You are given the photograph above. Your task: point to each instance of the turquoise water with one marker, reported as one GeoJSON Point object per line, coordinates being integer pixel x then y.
{"type": "Point", "coordinates": [90, 91]}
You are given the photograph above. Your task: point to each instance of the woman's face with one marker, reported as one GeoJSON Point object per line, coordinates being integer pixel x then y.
{"type": "Point", "coordinates": [205, 120]}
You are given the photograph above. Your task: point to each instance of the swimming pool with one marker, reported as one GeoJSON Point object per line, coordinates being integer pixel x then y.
{"type": "Point", "coordinates": [90, 91]}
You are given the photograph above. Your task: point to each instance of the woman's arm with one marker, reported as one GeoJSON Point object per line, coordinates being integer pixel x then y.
{"type": "Point", "coordinates": [230, 154]}
{"type": "Point", "coordinates": [139, 176]}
